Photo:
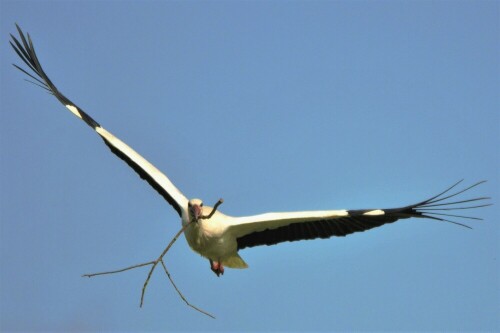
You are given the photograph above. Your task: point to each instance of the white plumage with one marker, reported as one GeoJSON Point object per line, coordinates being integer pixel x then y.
{"type": "Point", "coordinates": [220, 237]}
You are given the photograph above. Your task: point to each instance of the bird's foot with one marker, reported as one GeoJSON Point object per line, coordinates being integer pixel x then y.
{"type": "Point", "coordinates": [217, 268]}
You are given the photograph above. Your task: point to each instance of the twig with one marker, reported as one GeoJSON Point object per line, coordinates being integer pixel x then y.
{"type": "Point", "coordinates": [154, 263]}
{"type": "Point", "coordinates": [217, 204]}
{"type": "Point", "coordinates": [181, 295]}
{"type": "Point", "coordinates": [160, 258]}
{"type": "Point", "coordinates": [119, 270]}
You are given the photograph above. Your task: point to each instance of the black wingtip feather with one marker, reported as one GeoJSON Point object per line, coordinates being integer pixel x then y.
{"type": "Point", "coordinates": [436, 206]}
{"type": "Point", "coordinates": [447, 221]}
{"type": "Point", "coordinates": [26, 51]}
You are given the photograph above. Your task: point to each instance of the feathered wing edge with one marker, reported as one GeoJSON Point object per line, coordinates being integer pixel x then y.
{"type": "Point", "coordinates": [274, 228]}
{"type": "Point", "coordinates": [435, 207]}
{"type": "Point", "coordinates": [26, 51]}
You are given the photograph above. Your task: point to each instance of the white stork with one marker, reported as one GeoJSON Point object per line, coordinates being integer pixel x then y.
{"type": "Point", "coordinates": [219, 237]}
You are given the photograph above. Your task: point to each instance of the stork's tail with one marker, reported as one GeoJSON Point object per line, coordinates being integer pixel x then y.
{"type": "Point", "coordinates": [235, 262]}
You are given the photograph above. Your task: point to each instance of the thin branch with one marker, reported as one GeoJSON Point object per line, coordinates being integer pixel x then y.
{"type": "Point", "coordinates": [181, 295]}
{"type": "Point", "coordinates": [154, 263]}
{"type": "Point", "coordinates": [160, 258]}
{"type": "Point", "coordinates": [147, 281]}
{"type": "Point", "coordinates": [217, 204]}
{"type": "Point", "coordinates": [119, 270]}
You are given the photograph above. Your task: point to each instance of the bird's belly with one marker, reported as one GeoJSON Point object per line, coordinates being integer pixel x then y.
{"type": "Point", "coordinates": [210, 243]}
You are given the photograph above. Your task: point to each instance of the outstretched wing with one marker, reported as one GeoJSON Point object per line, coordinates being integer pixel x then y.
{"type": "Point", "coordinates": [146, 170]}
{"type": "Point", "coordinates": [274, 228]}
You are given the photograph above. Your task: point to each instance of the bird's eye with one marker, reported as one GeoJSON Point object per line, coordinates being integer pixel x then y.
{"type": "Point", "coordinates": [189, 204]}
{"type": "Point", "coordinates": [201, 205]}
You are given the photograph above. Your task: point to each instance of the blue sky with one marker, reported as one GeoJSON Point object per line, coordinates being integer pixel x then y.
{"type": "Point", "coordinates": [273, 106]}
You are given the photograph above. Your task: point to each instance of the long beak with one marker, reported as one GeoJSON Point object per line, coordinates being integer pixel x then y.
{"type": "Point", "coordinates": [196, 212]}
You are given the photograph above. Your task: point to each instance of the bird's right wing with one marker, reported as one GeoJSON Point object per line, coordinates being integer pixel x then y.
{"type": "Point", "coordinates": [146, 170]}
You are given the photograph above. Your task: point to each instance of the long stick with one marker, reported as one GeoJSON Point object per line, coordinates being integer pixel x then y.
{"type": "Point", "coordinates": [154, 263]}
{"type": "Point", "coordinates": [160, 258]}
{"type": "Point", "coordinates": [119, 270]}
{"type": "Point", "coordinates": [181, 295]}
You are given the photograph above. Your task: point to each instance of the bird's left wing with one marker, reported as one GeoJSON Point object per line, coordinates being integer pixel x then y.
{"type": "Point", "coordinates": [274, 228]}
{"type": "Point", "coordinates": [146, 170]}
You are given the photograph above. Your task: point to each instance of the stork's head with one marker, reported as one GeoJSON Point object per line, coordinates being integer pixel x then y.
{"type": "Point", "coordinates": [195, 209]}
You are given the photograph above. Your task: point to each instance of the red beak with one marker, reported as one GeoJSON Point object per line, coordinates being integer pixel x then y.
{"type": "Point", "coordinates": [196, 211]}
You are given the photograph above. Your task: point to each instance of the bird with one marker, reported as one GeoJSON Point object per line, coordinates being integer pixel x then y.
{"type": "Point", "coordinates": [219, 237]}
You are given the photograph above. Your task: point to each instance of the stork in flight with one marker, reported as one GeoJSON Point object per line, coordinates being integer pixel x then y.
{"type": "Point", "coordinates": [219, 237]}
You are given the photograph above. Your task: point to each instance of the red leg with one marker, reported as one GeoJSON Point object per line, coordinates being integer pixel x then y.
{"type": "Point", "coordinates": [216, 267]}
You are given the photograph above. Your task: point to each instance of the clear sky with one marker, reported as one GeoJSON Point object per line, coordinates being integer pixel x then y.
{"type": "Point", "coordinates": [273, 106]}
